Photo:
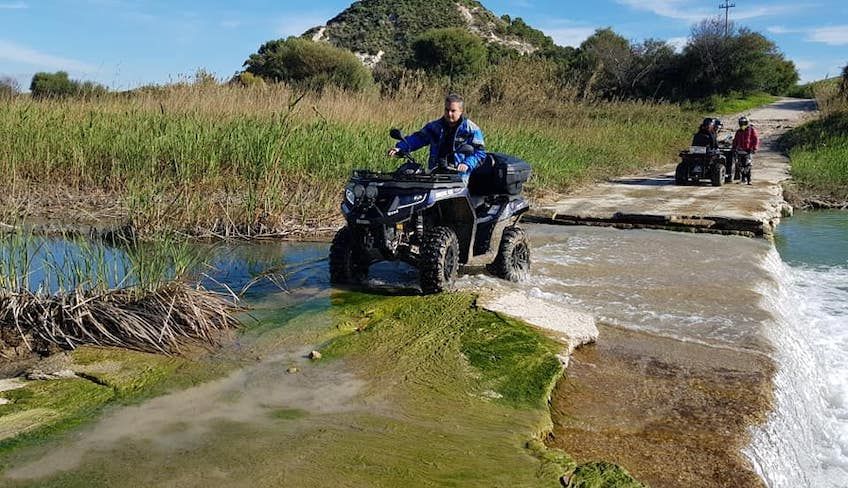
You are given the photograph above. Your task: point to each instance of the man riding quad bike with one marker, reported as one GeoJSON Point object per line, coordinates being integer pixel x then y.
{"type": "Point", "coordinates": [703, 160]}
{"type": "Point", "coordinates": [435, 221]}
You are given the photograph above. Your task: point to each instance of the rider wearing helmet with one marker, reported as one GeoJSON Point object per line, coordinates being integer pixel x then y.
{"type": "Point", "coordinates": [706, 136]}
{"type": "Point", "coordinates": [746, 139]}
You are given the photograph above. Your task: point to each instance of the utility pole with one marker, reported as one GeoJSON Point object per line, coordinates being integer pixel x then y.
{"type": "Point", "coordinates": [726, 7]}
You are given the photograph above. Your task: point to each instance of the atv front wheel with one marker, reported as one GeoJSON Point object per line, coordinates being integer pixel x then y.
{"type": "Point", "coordinates": [513, 260]}
{"type": "Point", "coordinates": [717, 175]}
{"type": "Point", "coordinates": [439, 261]}
{"type": "Point", "coordinates": [346, 265]}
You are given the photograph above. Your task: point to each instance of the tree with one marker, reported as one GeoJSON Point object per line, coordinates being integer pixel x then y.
{"type": "Point", "coordinates": [452, 52]}
{"type": "Point", "coordinates": [743, 61]}
{"type": "Point", "coordinates": [58, 85]}
{"type": "Point", "coordinates": [310, 64]}
{"type": "Point", "coordinates": [52, 85]}
{"type": "Point", "coordinates": [843, 86]}
{"type": "Point", "coordinates": [606, 61]}
{"type": "Point", "coordinates": [9, 87]}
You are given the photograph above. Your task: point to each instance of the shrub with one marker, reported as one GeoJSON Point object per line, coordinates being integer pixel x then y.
{"type": "Point", "coordinates": [309, 64]}
{"type": "Point", "coordinates": [9, 87]}
{"type": "Point", "coordinates": [452, 52]}
{"type": "Point", "coordinates": [52, 85]}
{"type": "Point", "coordinates": [58, 85]}
{"type": "Point", "coordinates": [247, 79]}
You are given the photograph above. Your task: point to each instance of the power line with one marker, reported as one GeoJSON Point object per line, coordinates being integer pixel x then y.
{"type": "Point", "coordinates": [726, 7]}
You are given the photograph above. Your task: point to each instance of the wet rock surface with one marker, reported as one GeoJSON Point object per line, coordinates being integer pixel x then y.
{"type": "Point", "coordinates": [673, 413]}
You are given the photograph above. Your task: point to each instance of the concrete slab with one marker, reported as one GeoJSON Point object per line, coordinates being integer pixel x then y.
{"type": "Point", "coordinates": [654, 201]}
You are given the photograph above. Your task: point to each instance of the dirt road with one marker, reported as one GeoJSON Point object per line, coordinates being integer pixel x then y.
{"type": "Point", "coordinates": [654, 201]}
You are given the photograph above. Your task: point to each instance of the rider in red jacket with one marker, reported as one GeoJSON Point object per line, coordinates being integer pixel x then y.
{"type": "Point", "coordinates": [746, 138]}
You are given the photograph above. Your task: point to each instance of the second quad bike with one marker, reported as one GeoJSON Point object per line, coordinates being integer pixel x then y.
{"type": "Point", "coordinates": [699, 162]}
{"type": "Point", "coordinates": [435, 221]}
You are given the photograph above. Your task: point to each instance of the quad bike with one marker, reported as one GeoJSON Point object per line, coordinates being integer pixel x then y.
{"type": "Point", "coordinates": [699, 162]}
{"type": "Point", "coordinates": [743, 165]}
{"type": "Point", "coordinates": [434, 221]}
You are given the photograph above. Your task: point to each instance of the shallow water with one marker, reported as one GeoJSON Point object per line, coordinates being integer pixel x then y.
{"type": "Point", "coordinates": [730, 293]}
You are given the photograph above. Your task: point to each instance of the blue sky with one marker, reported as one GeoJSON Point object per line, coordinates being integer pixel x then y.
{"type": "Point", "coordinates": [126, 43]}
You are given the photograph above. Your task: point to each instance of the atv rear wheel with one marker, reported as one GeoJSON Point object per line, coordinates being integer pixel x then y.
{"type": "Point", "coordinates": [717, 175]}
{"type": "Point", "coordinates": [680, 175]}
{"type": "Point", "coordinates": [513, 260]}
{"type": "Point", "coordinates": [439, 261]}
{"type": "Point", "coordinates": [346, 265]}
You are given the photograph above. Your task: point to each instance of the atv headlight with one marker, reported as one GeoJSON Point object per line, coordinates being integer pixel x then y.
{"type": "Point", "coordinates": [358, 190]}
{"type": "Point", "coordinates": [371, 191]}
{"type": "Point", "coordinates": [349, 195]}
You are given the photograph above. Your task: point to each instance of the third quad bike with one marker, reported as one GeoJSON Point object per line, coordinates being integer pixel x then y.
{"type": "Point", "coordinates": [699, 162]}
{"type": "Point", "coordinates": [434, 221]}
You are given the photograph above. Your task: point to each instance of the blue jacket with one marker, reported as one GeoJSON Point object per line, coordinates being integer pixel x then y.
{"type": "Point", "coordinates": [433, 134]}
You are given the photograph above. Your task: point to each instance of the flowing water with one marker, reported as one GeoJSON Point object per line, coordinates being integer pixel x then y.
{"type": "Point", "coordinates": [810, 297]}
{"type": "Point", "coordinates": [789, 304]}
{"type": "Point", "coordinates": [722, 316]}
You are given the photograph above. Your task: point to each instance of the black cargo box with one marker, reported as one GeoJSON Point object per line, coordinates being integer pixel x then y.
{"type": "Point", "coordinates": [499, 173]}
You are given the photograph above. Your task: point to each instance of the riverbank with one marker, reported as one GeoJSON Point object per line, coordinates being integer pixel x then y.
{"type": "Point", "coordinates": [819, 154]}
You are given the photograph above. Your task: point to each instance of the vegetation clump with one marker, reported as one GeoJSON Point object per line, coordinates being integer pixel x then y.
{"type": "Point", "coordinates": [64, 294]}
{"type": "Point", "coordinates": [819, 149]}
{"type": "Point", "coordinates": [58, 85]}
{"type": "Point", "coordinates": [308, 64]}
{"type": "Point", "coordinates": [450, 52]}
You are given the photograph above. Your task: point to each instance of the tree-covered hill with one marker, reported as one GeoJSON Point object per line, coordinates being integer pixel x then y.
{"type": "Point", "coordinates": [369, 27]}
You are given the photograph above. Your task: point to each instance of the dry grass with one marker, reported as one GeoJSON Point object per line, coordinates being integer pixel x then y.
{"type": "Point", "coordinates": [63, 293]}
{"type": "Point", "coordinates": [158, 321]}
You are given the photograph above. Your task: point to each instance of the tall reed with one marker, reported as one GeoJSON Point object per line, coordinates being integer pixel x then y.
{"type": "Point", "coordinates": [228, 160]}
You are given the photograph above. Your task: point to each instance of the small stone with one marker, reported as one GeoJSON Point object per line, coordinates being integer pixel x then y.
{"type": "Point", "coordinates": [39, 375]}
{"type": "Point", "coordinates": [314, 355]}
{"type": "Point", "coordinates": [292, 370]}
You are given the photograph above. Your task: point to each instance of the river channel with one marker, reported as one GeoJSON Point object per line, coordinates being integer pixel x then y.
{"type": "Point", "coordinates": [721, 362]}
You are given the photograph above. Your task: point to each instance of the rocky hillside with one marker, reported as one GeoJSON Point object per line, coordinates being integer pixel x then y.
{"type": "Point", "coordinates": [383, 30]}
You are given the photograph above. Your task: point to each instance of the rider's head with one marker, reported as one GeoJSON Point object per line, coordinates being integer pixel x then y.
{"type": "Point", "coordinates": [743, 122]}
{"type": "Point", "coordinates": [454, 107]}
{"type": "Point", "coordinates": [707, 124]}
{"type": "Point", "coordinates": [717, 124]}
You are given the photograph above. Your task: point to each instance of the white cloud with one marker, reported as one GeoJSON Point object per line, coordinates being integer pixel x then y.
{"type": "Point", "coordinates": [833, 35]}
{"type": "Point", "coordinates": [13, 6]}
{"type": "Point", "coordinates": [678, 43]}
{"type": "Point", "coordinates": [779, 29]}
{"type": "Point", "coordinates": [690, 10]}
{"type": "Point", "coordinates": [21, 54]}
{"type": "Point", "coordinates": [569, 36]}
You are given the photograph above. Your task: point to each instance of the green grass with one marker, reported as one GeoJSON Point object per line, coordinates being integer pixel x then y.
{"type": "Point", "coordinates": [733, 104]}
{"type": "Point", "coordinates": [222, 159]}
{"type": "Point", "coordinates": [818, 151]}
{"type": "Point", "coordinates": [809, 90]}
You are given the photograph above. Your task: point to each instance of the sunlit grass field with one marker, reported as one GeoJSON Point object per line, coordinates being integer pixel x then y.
{"type": "Point", "coordinates": [230, 159]}
{"type": "Point", "coordinates": [819, 149]}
